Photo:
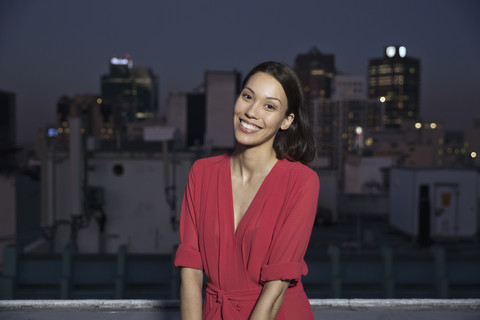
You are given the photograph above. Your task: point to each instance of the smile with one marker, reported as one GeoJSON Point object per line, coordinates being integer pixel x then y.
{"type": "Point", "coordinates": [249, 127]}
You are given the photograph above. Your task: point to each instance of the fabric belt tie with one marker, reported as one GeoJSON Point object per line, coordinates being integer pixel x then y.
{"type": "Point", "coordinates": [227, 302]}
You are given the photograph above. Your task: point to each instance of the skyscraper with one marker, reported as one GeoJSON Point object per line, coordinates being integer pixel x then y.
{"type": "Point", "coordinates": [395, 79]}
{"type": "Point", "coordinates": [339, 123]}
{"type": "Point", "coordinates": [316, 72]}
{"type": "Point", "coordinates": [132, 89]}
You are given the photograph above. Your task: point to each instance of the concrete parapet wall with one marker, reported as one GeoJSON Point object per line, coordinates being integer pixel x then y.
{"type": "Point", "coordinates": [325, 309]}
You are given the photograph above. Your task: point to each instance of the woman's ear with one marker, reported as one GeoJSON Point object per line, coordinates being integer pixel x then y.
{"type": "Point", "coordinates": [287, 121]}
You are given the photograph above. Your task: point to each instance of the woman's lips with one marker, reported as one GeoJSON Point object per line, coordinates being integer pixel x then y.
{"type": "Point", "coordinates": [248, 127]}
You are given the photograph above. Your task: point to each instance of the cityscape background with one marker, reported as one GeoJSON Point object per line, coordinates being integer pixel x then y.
{"type": "Point", "coordinates": [53, 48]}
{"type": "Point", "coordinates": [105, 106]}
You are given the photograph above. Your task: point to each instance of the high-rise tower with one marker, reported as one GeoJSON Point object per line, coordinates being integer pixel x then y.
{"type": "Point", "coordinates": [395, 79]}
{"type": "Point", "coordinates": [316, 72]}
{"type": "Point", "coordinates": [132, 89]}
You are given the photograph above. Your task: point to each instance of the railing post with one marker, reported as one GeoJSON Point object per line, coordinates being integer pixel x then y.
{"type": "Point", "coordinates": [336, 283]}
{"type": "Point", "coordinates": [175, 283]}
{"type": "Point", "coordinates": [120, 283]}
{"type": "Point", "coordinates": [8, 282]}
{"type": "Point", "coordinates": [388, 279]}
{"type": "Point", "coordinates": [67, 270]}
{"type": "Point", "coordinates": [441, 281]}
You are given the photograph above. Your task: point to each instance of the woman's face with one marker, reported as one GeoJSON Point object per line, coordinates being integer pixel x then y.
{"type": "Point", "coordinates": [260, 111]}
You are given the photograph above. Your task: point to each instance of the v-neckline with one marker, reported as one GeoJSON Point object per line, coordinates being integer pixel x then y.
{"type": "Point", "coordinates": [232, 205]}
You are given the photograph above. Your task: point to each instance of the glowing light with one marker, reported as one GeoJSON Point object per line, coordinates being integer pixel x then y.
{"type": "Point", "coordinates": [402, 51]}
{"type": "Point", "coordinates": [418, 125]}
{"type": "Point", "coordinates": [99, 101]}
{"type": "Point", "coordinates": [369, 142]}
{"type": "Point", "coordinates": [390, 51]}
{"type": "Point", "coordinates": [382, 99]}
{"type": "Point", "coordinates": [52, 132]}
{"type": "Point", "coordinates": [119, 61]}
{"type": "Point", "coordinates": [318, 72]}
{"type": "Point", "coordinates": [358, 130]}
{"type": "Point", "coordinates": [473, 154]}
{"type": "Point", "coordinates": [433, 125]}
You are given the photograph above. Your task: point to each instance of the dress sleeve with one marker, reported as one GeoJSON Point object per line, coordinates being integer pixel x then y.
{"type": "Point", "coordinates": [188, 254]}
{"type": "Point", "coordinates": [290, 243]}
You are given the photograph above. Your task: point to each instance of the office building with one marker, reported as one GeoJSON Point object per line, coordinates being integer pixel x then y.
{"type": "Point", "coordinates": [131, 89]}
{"type": "Point", "coordinates": [339, 123]}
{"type": "Point", "coordinates": [316, 72]}
{"type": "Point", "coordinates": [98, 120]}
{"type": "Point", "coordinates": [395, 79]}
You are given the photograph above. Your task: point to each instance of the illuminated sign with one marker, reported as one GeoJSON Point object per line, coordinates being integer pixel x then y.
{"type": "Point", "coordinates": [119, 61]}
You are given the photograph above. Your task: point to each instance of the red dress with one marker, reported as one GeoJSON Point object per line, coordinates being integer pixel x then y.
{"type": "Point", "coordinates": [269, 244]}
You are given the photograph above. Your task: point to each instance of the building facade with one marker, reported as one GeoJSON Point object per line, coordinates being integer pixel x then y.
{"type": "Point", "coordinates": [316, 72]}
{"type": "Point", "coordinates": [204, 119]}
{"type": "Point", "coordinates": [131, 89]}
{"type": "Point", "coordinates": [395, 79]}
{"type": "Point", "coordinates": [339, 123]}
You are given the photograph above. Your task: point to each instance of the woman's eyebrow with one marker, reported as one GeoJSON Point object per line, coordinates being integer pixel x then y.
{"type": "Point", "coordinates": [271, 98]}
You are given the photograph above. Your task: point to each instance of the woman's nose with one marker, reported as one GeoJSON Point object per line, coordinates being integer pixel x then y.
{"type": "Point", "coordinates": [252, 111]}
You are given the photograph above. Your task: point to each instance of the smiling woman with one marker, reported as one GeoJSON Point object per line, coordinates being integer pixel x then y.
{"type": "Point", "coordinates": [247, 216]}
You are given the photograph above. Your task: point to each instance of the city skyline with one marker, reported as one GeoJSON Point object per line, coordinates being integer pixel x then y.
{"type": "Point", "coordinates": [52, 48]}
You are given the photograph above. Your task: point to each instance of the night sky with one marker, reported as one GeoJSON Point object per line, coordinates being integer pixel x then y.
{"type": "Point", "coordinates": [55, 47]}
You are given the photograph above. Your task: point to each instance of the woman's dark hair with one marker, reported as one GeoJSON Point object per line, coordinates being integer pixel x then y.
{"type": "Point", "coordinates": [296, 143]}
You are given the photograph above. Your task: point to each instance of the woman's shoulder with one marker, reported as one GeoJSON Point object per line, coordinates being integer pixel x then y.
{"type": "Point", "coordinates": [210, 162]}
{"type": "Point", "coordinates": [297, 168]}
{"type": "Point", "coordinates": [298, 174]}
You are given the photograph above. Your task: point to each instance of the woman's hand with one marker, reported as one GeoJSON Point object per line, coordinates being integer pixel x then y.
{"type": "Point", "coordinates": [270, 300]}
{"type": "Point", "coordinates": [191, 293]}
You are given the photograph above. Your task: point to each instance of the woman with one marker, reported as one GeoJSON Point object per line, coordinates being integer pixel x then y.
{"type": "Point", "coordinates": [247, 217]}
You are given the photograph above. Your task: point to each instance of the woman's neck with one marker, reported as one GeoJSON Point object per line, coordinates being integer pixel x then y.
{"type": "Point", "coordinates": [248, 163]}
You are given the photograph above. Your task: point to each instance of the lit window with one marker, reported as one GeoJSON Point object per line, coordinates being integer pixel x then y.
{"type": "Point", "coordinates": [318, 72]}
{"type": "Point", "coordinates": [369, 142]}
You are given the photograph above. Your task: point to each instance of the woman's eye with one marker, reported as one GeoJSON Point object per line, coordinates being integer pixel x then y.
{"type": "Point", "coordinates": [270, 106]}
{"type": "Point", "coordinates": [247, 96]}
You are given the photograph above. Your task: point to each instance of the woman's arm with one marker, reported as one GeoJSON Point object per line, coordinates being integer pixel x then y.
{"type": "Point", "coordinates": [191, 293]}
{"type": "Point", "coordinates": [270, 300]}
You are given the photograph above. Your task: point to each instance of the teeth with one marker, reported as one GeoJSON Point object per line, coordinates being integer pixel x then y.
{"type": "Point", "coordinates": [249, 126]}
